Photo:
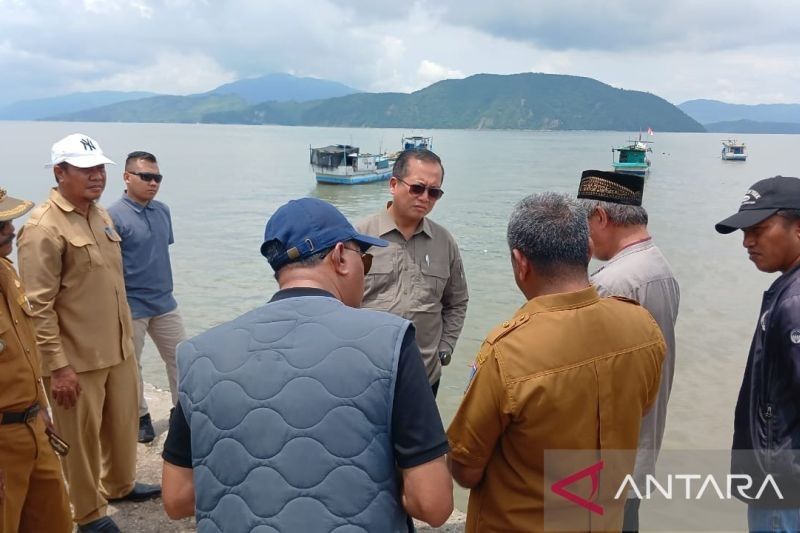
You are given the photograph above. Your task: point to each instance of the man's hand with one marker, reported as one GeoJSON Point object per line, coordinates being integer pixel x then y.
{"type": "Point", "coordinates": [65, 387]}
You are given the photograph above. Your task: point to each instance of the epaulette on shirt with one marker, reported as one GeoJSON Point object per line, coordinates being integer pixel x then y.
{"type": "Point", "coordinates": [506, 327]}
{"type": "Point", "coordinates": [628, 300]}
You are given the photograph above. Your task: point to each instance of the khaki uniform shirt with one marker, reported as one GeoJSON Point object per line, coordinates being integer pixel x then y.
{"type": "Point", "coordinates": [72, 269]}
{"type": "Point", "coordinates": [569, 371]}
{"type": "Point", "coordinates": [20, 383]}
{"type": "Point", "coordinates": [422, 280]}
{"type": "Point", "coordinates": [642, 273]}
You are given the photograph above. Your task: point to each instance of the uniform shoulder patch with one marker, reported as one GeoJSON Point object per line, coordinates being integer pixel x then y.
{"type": "Point", "coordinates": [506, 327]}
{"type": "Point", "coordinates": [624, 299]}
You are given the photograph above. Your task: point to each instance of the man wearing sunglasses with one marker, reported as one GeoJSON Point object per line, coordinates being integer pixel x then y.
{"type": "Point", "coordinates": [302, 414]}
{"type": "Point", "coordinates": [28, 464]}
{"type": "Point", "coordinates": [419, 276]}
{"type": "Point", "coordinates": [145, 226]}
{"type": "Point", "coordinates": [71, 264]}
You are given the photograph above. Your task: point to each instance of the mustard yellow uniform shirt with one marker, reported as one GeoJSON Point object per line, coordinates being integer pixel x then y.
{"type": "Point", "coordinates": [20, 384]}
{"type": "Point", "coordinates": [569, 371]}
{"type": "Point", "coordinates": [71, 266]}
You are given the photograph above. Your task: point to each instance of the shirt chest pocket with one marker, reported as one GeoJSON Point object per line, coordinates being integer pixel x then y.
{"type": "Point", "coordinates": [381, 284]}
{"type": "Point", "coordinates": [434, 278]}
{"type": "Point", "coordinates": [82, 254]}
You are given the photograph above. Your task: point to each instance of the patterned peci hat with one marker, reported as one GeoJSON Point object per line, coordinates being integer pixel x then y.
{"type": "Point", "coordinates": [612, 187]}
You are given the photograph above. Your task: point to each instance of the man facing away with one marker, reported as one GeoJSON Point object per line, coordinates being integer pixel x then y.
{"type": "Point", "coordinates": [297, 415]}
{"type": "Point", "coordinates": [635, 269]}
{"type": "Point", "coordinates": [71, 264]}
{"type": "Point", "coordinates": [28, 463]}
{"type": "Point", "coordinates": [570, 371]}
{"type": "Point", "coordinates": [145, 226]}
{"type": "Point", "coordinates": [419, 276]}
{"type": "Point", "coordinates": [766, 427]}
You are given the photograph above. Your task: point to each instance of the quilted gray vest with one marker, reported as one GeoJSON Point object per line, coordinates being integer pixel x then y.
{"type": "Point", "coordinates": [290, 410]}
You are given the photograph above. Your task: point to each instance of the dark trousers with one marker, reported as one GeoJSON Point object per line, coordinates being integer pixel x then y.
{"type": "Point", "coordinates": [435, 387]}
{"type": "Point", "coordinates": [631, 521]}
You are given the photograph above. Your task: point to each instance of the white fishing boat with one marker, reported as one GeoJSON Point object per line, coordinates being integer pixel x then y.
{"type": "Point", "coordinates": [343, 164]}
{"type": "Point", "coordinates": [733, 150]}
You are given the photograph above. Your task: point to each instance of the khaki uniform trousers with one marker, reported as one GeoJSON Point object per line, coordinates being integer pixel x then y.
{"type": "Point", "coordinates": [101, 429]}
{"type": "Point", "coordinates": [166, 331]}
{"type": "Point", "coordinates": [35, 498]}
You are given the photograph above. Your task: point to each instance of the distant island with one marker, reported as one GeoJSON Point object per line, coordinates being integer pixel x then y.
{"type": "Point", "coordinates": [723, 117]}
{"type": "Point", "coordinates": [483, 101]}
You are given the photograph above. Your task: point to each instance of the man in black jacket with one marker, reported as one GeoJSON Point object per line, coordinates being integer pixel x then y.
{"type": "Point", "coordinates": [766, 434]}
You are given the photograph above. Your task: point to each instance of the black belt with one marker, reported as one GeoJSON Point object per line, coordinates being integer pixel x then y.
{"type": "Point", "coordinates": [25, 417]}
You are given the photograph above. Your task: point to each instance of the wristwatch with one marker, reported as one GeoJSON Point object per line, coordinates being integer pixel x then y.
{"type": "Point", "coordinates": [444, 357]}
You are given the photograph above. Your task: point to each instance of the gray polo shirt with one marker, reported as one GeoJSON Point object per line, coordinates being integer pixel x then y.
{"type": "Point", "coordinates": [420, 279]}
{"type": "Point", "coordinates": [642, 273]}
{"type": "Point", "coordinates": [146, 233]}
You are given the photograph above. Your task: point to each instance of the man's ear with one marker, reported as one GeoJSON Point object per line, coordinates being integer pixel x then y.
{"type": "Point", "coordinates": [602, 216]}
{"type": "Point", "coordinates": [520, 264]}
{"type": "Point", "coordinates": [337, 259]}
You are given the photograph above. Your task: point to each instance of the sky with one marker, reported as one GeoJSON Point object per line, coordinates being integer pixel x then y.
{"type": "Point", "coordinates": [735, 50]}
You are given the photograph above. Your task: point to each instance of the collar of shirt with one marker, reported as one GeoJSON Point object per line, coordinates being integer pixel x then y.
{"type": "Point", "coordinates": [784, 279]}
{"type": "Point", "coordinates": [563, 300]}
{"type": "Point", "coordinates": [133, 204]}
{"type": "Point", "coordinates": [297, 292]}
{"type": "Point", "coordinates": [386, 224]}
{"type": "Point", "coordinates": [64, 204]}
{"type": "Point", "coordinates": [632, 248]}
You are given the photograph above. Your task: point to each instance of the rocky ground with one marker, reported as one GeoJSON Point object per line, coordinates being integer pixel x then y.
{"type": "Point", "coordinates": [149, 517]}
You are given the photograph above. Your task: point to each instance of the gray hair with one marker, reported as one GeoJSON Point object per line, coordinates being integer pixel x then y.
{"type": "Point", "coordinates": [551, 230]}
{"type": "Point", "coordinates": [618, 214]}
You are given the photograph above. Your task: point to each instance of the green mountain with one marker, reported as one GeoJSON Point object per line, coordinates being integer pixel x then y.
{"type": "Point", "coordinates": [191, 109]}
{"type": "Point", "coordinates": [483, 101]}
{"type": "Point", "coordinates": [68, 103]}
{"type": "Point", "coordinates": [708, 111]}
{"type": "Point", "coordinates": [283, 87]}
{"type": "Point", "coordinates": [752, 126]}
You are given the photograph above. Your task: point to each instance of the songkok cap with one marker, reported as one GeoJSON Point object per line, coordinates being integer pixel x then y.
{"type": "Point", "coordinates": [11, 208]}
{"type": "Point", "coordinates": [762, 200]}
{"type": "Point", "coordinates": [304, 227]}
{"type": "Point", "coordinates": [78, 150]}
{"type": "Point", "coordinates": [613, 187]}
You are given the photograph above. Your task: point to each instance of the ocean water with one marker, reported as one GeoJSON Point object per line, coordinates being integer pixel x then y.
{"type": "Point", "coordinates": [222, 183]}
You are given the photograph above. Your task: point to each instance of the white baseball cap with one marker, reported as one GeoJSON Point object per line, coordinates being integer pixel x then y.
{"type": "Point", "coordinates": [78, 150]}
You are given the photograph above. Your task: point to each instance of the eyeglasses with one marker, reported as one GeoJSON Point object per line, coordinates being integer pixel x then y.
{"type": "Point", "coordinates": [418, 190]}
{"type": "Point", "coordinates": [147, 176]}
{"type": "Point", "coordinates": [366, 258]}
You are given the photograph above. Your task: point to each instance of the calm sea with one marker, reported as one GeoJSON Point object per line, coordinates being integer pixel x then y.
{"type": "Point", "coordinates": [222, 183]}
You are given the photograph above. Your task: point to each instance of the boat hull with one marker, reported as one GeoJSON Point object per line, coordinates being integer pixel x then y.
{"type": "Point", "coordinates": [630, 168]}
{"type": "Point", "coordinates": [354, 178]}
{"type": "Point", "coordinates": [734, 157]}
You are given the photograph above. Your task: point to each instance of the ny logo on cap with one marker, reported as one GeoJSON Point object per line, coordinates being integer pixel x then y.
{"type": "Point", "coordinates": [87, 144]}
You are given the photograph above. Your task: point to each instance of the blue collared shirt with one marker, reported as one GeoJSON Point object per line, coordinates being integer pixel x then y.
{"type": "Point", "coordinates": [146, 233]}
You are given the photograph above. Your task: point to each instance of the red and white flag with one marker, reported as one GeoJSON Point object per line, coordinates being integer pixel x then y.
{"type": "Point", "coordinates": [649, 131]}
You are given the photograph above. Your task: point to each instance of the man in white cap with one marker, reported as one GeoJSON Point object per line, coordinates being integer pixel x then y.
{"type": "Point", "coordinates": [71, 264]}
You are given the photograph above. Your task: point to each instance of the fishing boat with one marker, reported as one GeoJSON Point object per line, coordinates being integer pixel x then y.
{"type": "Point", "coordinates": [343, 164]}
{"type": "Point", "coordinates": [632, 158]}
{"type": "Point", "coordinates": [417, 142]}
{"type": "Point", "coordinates": [733, 150]}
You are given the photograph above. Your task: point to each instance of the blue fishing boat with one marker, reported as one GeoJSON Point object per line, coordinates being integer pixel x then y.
{"type": "Point", "coordinates": [733, 150]}
{"type": "Point", "coordinates": [632, 158]}
{"type": "Point", "coordinates": [342, 164]}
{"type": "Point", "coordinates": [417, 142]}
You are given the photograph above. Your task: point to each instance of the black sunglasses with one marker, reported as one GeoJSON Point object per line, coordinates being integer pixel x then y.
{"type": "Point", "coordinates": [147, 176]}
{"type": "Point", "coordinates": [366, 258]}
{"type": "Point", "coordinates": [418, 190]}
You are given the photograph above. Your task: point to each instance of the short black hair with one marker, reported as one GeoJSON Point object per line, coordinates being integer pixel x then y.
{"type": "Point", "coordinates": [421, 154]}
{"type": "Point", "coordinates": [137, 155]}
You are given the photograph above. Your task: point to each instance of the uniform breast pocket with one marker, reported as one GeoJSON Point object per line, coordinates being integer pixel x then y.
{"type": "Point", "coordinates": [5, 328]}
{"type": "Point", "coordinates": [380, 285]}
{"type": "Point", "coordinates": [79, 255]}
{"type": "Point", "coordinates": [434, 277]}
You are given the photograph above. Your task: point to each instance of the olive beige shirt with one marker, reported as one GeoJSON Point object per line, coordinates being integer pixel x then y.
{"type": "Point", "coordinates": [20, 384]}
{"type": "Point", "coordinates": [71, 266]}
{"type": "Point", "coordinates": [421, 279]}
{"type": "Point", "coordinates": [569, 371]}
{"type": "Point", "coordinates": [642, 273]}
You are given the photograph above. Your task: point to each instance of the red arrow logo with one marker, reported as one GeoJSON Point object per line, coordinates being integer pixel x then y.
{"type": "Point", "coordinates": [594, 471]}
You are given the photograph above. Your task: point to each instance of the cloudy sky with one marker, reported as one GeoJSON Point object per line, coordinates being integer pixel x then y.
{"type": "Point", "coordinates": [734, 50]}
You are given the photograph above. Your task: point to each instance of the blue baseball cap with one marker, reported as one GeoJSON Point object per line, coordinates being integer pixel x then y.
{"type": "Point", "coordinates": [304, 227]}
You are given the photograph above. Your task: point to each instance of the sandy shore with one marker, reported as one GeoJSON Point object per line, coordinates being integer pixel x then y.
{"type": "Point", "coordinates": [149, 517]}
